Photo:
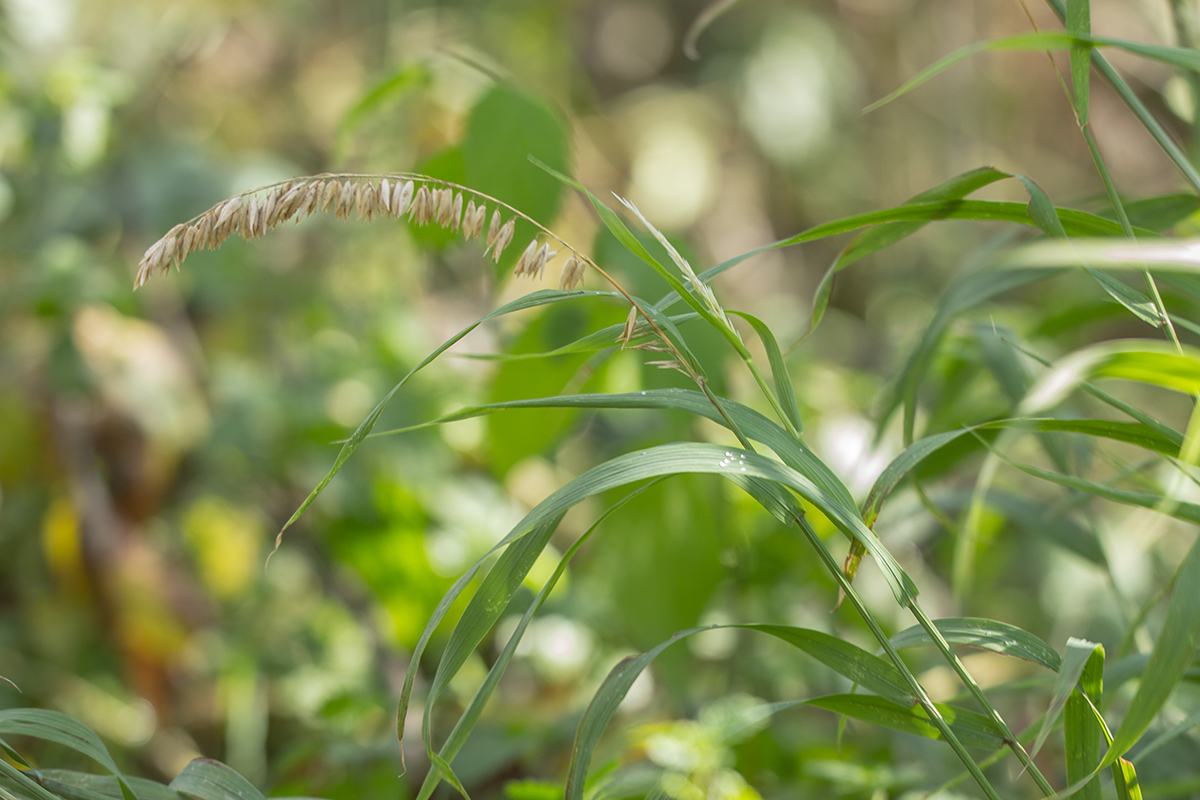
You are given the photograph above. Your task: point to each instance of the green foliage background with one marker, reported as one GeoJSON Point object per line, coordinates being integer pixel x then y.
{"type": "Point", "coordinates": [152, 444]}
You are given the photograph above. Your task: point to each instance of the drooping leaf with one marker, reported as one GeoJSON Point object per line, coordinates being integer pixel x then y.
{"type": "Point", "coordinates": [988, 634]}
{"type": "Point", "coordinates": [208, 779]}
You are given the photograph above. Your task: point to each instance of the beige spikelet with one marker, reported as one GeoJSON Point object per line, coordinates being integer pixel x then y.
{"type": "Point", "coordinates": [572, 274]}
{"type": "Point", "coordinates": [402, 197]}
{"type": "Point", "coordinates": [538, 265]}
{"type": "Point", "coordinates": [525, 262]}
{"type": "Point", "coordinates": [385, 196]}
{"type": "Point", "coordinates": [456, 212]}
{"type": "Point", "coordinates": [422, 207]}
{"type": "Point", "coordinates": [504, 238]}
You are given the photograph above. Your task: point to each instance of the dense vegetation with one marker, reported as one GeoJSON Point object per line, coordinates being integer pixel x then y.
{"type": "Point", "coordinates": [635, 414]}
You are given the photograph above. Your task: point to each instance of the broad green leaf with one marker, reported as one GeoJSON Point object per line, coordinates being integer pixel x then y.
{"type": "Point", "coordinates": [207, 779]}
{"type": "Point", "coordinates": [971, 728]}
{"type": "Point", "coordinates": [784, 392]}
{"type": "Point", "coordinates": [1173, 653]}
{"type": "Point", "coordinates": [1084, 734]}
{"type": "Point", "coordinates": [506, 127]}
{"type": "Point", "coordinates": [987, 634]}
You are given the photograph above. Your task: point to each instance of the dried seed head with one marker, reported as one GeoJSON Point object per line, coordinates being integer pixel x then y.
{"type": "Point", "coordinates": [329, 191]}
{"type": "Point", "coordinates": [525, 262]}
{"type": "Point", "coordinates": [493, 229]}
{"type": "Point", "coordinates": [385, 195]}
{"type": "Point", "coordinates": [538, 265]}
{"type": "Point", "coordinates": [504, 238]}
{"type": "Point", "coordinates": [443, 199]}
{"type": "Point", "coordinates": [572, 273]}
{"type": "Point", "coordinates": [422, 207]}
{"type": "Point", "coordinates": [227, 210]}
{"type": "Point", "coordinates": [345, 200]}
{"type": "Point", "coordinates": [253, 217]}
{"type": "Point", "coordinates": [456, 211]}
{"type": "Point", "coordinates": [627, 331]}
{"type": "Point", "coordinates": [402, 197]}
{"type": "Point", "coordinates": [472, 222]}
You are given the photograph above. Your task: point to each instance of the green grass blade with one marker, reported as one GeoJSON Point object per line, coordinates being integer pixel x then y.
{"type": "Point", "coordinates": [1125, 780]}
{"type": "Point", "coordinates": [987, 634]}
{"type": "Point", "coordinates": [1173, 151]}
{"type": "Point", "coordinates": [207, 779]}
{"type": "Point", "coordinates": [1173, 653]}
{"type": "Point", "coordinates": [784, 392]}
{"type": "Point", "coordinates": [851, 662]}
{"type": "Point", "coordinates": [54, 726]}
{"type": "Point", "coordinates": [33, 789]}
{"type": "Point", "coordinates": [531, 534]}
{"type": "Point", "coordinates": [1178, 509]}
{"type": "Point", "coordinates": [1079, 23]}
{"type": "Point", "coordinates": [1135, 433]}
{"type": "Point", "coordinates": [466, 722]}
{"type": "Point", "coordinates": [1073, 664]}
{"type": "Point", "coordinates": [1084, 733]}
{"type": "Point", "coordinates": [85, 786]}
{"type": "Point", "coordinates": [877, 238]}
{"type": "Point", "coordinates": [971, 728]}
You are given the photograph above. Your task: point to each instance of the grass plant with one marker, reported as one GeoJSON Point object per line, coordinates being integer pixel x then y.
{"type": "Point", "coordinates": [1060, 406]}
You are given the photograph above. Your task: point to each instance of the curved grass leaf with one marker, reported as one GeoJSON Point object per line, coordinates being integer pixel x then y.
{"type": "Point", "coordinates": [207, 779]}
{"type": "Point", "coordinates": [466, 722]}
{"type": "Point", "coordinates": [987, 634]}
{"type": "Point", "coordinates": [1134, 433]}
{"type": "Point", "coordinates": [526, 540]}
{"type": "Point", "coordinates": [845, 659]}
{"type": "Point", "coordinates": [1079, 652]}
{"type": "Point", "coordinates": [877, 238]}
{"type": "Point", "coordinates": [86, 786]}
{"type": "Point", "coordinates": [784, 392]}
{"type": "Point", "coordinates": [54, 726]}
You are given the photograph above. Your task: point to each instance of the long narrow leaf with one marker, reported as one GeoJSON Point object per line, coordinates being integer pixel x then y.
{"type": "Point", "coordinates": [987, 634]}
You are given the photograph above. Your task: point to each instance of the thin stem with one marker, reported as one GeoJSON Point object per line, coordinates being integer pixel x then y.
{"type": "Point", "coordinates": [1009, 737]}
{"type": "Point", "coordinates": [1127, 94]}
{"type": "Point", "coordinates": [918, 690]}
